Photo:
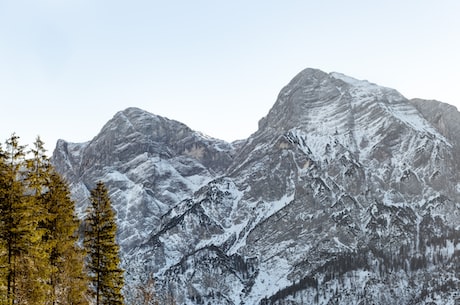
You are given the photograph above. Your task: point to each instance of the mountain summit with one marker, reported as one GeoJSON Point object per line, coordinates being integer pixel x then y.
{"type": "Point", "coordinates": [150, 164]}
{"type": "Point", "coordinates": [348, 193]}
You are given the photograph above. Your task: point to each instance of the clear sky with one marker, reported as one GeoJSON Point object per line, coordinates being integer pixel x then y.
{"type": "Point", "coordinates": [67, 66]}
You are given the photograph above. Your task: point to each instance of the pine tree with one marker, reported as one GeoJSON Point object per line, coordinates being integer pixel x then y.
{"type": "Point", "coordinates": [11, 211]}
{"type": "Point", "coordinates": [103, 261]}
{"type": "Point", "coordinates": [37, 269]}
{"type": "Point", "coordinates": [67, 279]}
{"type": "Point", "coordinates": [16, 235]}
{"type": "Point", "coordinates": [57, 259]}
{"type": "Point", "coordinates": [3, 246]}
{"type": "Point", "coordinates": [40, 261]}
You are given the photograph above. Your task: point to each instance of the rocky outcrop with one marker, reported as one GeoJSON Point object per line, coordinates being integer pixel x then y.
{"type": "Point", "coordinates": [443, 117]}
{"type": "Point", "coordinates": [348, 193]}
{"type": "Point", "coordinates": [148, 162]}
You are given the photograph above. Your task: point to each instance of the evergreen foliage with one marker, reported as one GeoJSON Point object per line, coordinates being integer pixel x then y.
{"type": "Point", "coordinates": [4, 267]}
{"type": "Point", "coordinates": [15, 233]}
{"type": "Point", "coordinates": [66, 277]}
{"type": "Point", "coordinates": [37, 170]}
{"type": "Point", "coordinates": [103, 261]}
{"type": "Point", "coordinates": [40, 261]}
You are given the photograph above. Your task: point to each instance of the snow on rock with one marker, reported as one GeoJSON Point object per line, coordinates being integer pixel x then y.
{"type": "Point", "coordinates": [348, 193]}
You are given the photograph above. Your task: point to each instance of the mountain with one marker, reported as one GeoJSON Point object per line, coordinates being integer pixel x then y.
{"type": "Point", "coordinates": [150, 164]}
{"type": "Point", "coordinates": [348, 193]}
{"type": "Point", "coordinates": [443, 117]}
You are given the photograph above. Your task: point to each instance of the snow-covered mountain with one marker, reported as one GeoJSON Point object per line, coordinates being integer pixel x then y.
{"type": "Point", "coordinates": [348, 193]}
{"type": "Point", "coordinates": [148, 162]}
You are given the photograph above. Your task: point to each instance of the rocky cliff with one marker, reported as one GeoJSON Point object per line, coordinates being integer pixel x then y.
{"type": "Point", "coordinates": [348, 193]}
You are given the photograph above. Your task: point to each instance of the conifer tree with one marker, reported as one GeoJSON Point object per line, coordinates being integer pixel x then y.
{"type": "Point", "coordinates": [36, 265]}
{"type": "Point", "coordinates": [67, 279]}
{"type": "Point", "coordinates": [16, 235]}
{"type": "Point", "coordinates": [57, 259]}
{"type": "Point", "coordinates": [11, 211]}
{"type": "Point", "coordinates": [40, 261]}
{"type": "Point", "coordinates": [103, 261]}
{"type": "Point", "coordinates": [3, 247]}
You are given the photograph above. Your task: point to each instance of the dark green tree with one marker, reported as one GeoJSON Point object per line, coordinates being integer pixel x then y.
{"type": "Point", "coordinates": [35, 276]}
{"type": "Point", "coordinates": [3, 246]}
{"type": "Point", "coordinates": [15, 232]}
{"type": "Point", "coordinates": [66, 278]}
{"type": "Point", "coordinates": [40, 261]}
{"type": "Point", "coordinates": [58, 260]}
{"type": "Point", "coordinates": [103, 262]}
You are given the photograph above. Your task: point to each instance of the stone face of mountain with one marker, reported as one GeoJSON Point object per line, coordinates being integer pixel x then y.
{"type": "Point", "coordinates": [148, 162]}
{"type": "Point", "coordinates": [348, 193]}
{"type": "Point", "coordinates": [444, 117]}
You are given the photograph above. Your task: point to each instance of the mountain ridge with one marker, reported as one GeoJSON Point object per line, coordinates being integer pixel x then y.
{"type": "Point", "coordinates": [347, 193]}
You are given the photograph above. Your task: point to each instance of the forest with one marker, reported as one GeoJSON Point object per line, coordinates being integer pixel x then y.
{"type": "Point", "coordinates": [47, 254]}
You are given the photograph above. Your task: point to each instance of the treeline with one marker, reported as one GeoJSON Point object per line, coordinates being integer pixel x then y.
{"type": "Point", "coordinates": [433, 255]}
{"type": "Point", "coordinates": [42, 258]}
{"type": "Point", "coordinates": [332, 269]}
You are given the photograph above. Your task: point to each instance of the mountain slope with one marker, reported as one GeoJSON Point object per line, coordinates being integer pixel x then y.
{"type": "Point", "coordinates": [348, 193]}
{"type": "Point", "coordinates": [148, 162]}
{"type": "Point", "coordinates": [443, 117]}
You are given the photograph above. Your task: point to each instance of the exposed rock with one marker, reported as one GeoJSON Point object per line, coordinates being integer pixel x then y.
{"type": "Point", "coordinates": [348, 193]}
{"type": "Point", "coordinates": [149, 164]}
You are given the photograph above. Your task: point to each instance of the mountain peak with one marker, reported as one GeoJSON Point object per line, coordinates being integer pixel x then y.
{"type": "Point", "coordinates": [132, 120]}
{"type": "Point", "coordinates": [308, 75]}
{"type": "Point", "coordinates": [298, 98]}
{"type": "Point", "coordinates": [353, 81]}
{"type": "Point", "coordinates": [323, 103]}
{"type": "Point", "coordinates": [345, 194]}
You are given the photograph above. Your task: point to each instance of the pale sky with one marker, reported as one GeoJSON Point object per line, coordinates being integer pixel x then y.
{"type": "Point", "coordinates": [67, 66]}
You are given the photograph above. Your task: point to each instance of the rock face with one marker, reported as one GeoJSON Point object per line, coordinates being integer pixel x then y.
{"type": "Point", "coordinates": [148, 162]}
{"type": "Point", "coordinates": [348, 193]}
{"type": "Point", "coordinates": [444, 117]}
